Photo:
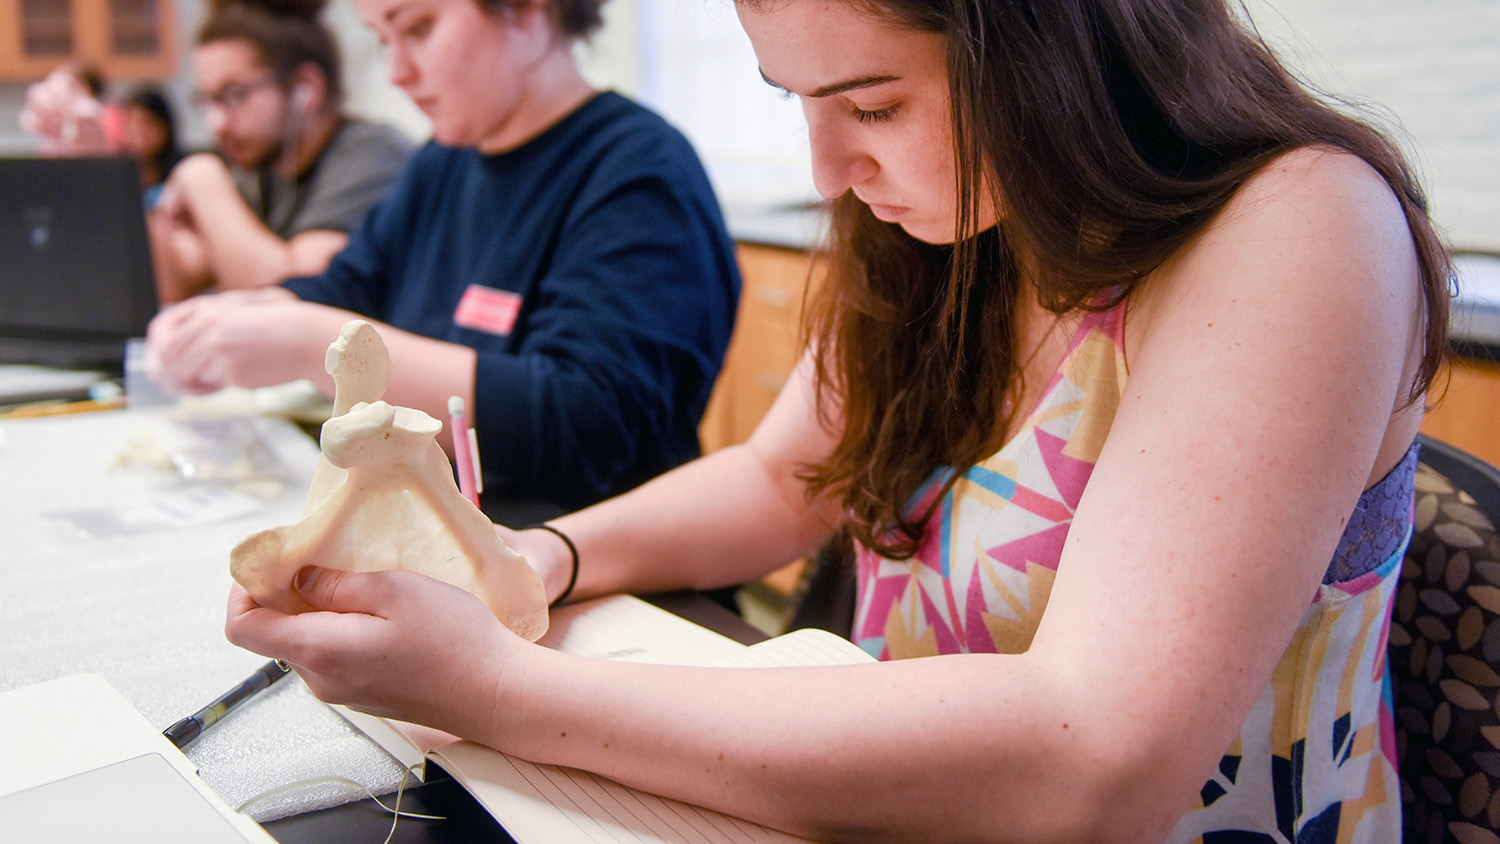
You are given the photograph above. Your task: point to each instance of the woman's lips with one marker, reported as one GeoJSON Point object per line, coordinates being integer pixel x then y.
{"type": "Point", "coordinates": [887, 213]}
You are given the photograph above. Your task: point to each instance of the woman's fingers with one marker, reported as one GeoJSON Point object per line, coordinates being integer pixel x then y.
{"type": "Point", "coordinates": [340, 591]}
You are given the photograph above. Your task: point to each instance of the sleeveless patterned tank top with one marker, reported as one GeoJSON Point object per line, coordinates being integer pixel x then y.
{"type": "Point", "coordinates": [1315, 761]}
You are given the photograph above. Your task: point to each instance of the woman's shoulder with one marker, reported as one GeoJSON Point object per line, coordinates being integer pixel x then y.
{"type": "Point", "coordinates": [614, 108]}
{"type": "Point", "coordinates": [625, 143]}
{"type": "Point", "coordinates": [1315, 223]}
{"type": "Point", "coordinates": [604, 120]}
{"type": "Point", "coordinates": [1313, 180]}
{"type": "Point", "coordinates": [374, 141]}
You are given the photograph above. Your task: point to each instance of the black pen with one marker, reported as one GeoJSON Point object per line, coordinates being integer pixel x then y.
{"type": "Point", "coordinates": [185, 731]}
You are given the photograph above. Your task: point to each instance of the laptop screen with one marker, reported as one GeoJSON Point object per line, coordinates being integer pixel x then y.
{"type": "Point", "coordinates": [75, 263]}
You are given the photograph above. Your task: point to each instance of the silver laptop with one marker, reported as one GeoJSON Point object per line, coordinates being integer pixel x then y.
{"type": "Point", "coordinates": [83, 766]}
{"type": "Point", "coordinates": [143, 799]}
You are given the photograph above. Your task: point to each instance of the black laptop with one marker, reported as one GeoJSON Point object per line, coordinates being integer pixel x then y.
{"type": "Point", "coordinates": [75, 263]}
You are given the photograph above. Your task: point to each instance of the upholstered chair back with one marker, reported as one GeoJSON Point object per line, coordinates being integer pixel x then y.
{"type": "Point", "coordinates": [1445, 654]}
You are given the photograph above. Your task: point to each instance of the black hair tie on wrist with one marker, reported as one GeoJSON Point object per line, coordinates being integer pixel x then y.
{"type": "Point", "coordinates": [572, 549]}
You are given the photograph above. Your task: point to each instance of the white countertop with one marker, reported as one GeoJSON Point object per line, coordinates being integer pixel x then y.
{"type": "Point", "coordinates": [1476, 311]}
{"type": "Point", "coordinates": [116, 564]}
{"type": "Point", "coordinates": [792, 225]}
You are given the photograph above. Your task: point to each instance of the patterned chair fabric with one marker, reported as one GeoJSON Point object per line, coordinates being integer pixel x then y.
{"type": "Point", "coordinates": [1445, 654]}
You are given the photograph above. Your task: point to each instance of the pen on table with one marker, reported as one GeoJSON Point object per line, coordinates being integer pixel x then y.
{"type": "Point", "coordinates": [465, 450]}
{"type": "Point", "coordinates": [185, 731]}
{"type": "Point", "coordinates": [27, 411]}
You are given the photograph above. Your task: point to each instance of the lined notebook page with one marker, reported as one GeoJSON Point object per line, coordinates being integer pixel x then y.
{"type": "Point", "coordinates": [625, 628]}
{"type": "Point", "coordinates": [547, 804]}
{"type": "Point", "coordinates": [800, 647]}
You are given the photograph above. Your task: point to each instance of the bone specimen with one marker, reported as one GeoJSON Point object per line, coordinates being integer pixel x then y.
{"type": "Point", "coordinates": [391, 503]}
{"type": "Point", "coordinates": [361, 369]}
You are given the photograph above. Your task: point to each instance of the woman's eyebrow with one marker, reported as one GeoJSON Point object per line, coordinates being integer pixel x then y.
{"type": "Point", "coordinates": [394, 12]}
{"type": "Point", "coordinates": [839, 87]}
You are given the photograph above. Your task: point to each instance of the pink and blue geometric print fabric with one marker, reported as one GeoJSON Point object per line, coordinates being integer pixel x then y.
{"type": "Point", "coordinates": [980, 581]}
{"type": "Point", "coordinates": [1314, 761]}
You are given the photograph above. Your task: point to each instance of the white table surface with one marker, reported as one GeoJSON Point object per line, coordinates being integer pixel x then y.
{"type": "Point", "coordinates": [146, 611]}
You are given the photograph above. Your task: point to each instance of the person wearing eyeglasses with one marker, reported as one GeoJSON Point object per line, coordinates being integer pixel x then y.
{"type": "Point", "coordinates": [292, 175]}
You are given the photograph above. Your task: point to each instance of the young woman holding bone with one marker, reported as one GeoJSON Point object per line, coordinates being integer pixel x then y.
{"type": "Point", "coordinates": [1115, 384]}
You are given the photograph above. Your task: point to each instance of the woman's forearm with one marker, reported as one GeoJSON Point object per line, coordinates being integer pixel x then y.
{"type": "Point", "coordinates": [865, 753]}
{"type": "Point", "coordinates": [732, 516]}
{"type": "Point", "coordinates": [693, 529]}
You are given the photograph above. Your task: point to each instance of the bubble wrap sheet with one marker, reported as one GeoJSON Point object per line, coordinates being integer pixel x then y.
{"type": "Point", "coordinates": [146, 610]}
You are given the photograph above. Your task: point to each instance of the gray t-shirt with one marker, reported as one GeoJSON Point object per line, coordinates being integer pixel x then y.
{"type": "Point", "coordinates": [352, 174]}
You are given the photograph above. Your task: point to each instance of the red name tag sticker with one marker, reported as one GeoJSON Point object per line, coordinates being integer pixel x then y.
{"type": "Point", "coordinates": [487, 309]}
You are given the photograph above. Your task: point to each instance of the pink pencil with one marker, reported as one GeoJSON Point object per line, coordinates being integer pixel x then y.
{"type": "Point", "coordinates": [465, 450]}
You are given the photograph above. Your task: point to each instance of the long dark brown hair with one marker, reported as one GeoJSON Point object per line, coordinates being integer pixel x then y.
{"type": "Point", "coordinates": [1112, 132]}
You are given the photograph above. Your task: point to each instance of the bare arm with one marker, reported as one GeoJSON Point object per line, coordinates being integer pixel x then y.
{"type": "Point", "coordinates": [732, 516]}
{"type": "Point", "coordinates": [178, 256]}
{"type": "Point", "coordinates": [425, 373]}
{"type": "Point", "coordinates": [240, 251]}
{"type": "Point", "coordinates": [1204, 530]}
{"type": "Point", "coordinates": [257, 338]}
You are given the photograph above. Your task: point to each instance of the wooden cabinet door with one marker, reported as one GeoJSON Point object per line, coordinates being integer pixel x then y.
{"type": "Point", "coordinates": [1466, 408]}
{"type": "Point", "coordinates": [123, 39]}
{"type": "Point", "coordinates": [764, 349]}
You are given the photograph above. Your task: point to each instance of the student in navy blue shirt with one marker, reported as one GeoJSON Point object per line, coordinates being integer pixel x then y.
{"type": "Point", "coordinates": [555, 256]}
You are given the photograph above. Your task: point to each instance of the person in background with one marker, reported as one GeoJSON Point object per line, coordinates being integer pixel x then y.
{"type": "Point", "coordinates": [555, 257]}
{"type": "Point", "coordinates": [1115, 380]}
{"type": "Point", "coordinates": [70, 114]}
{"type": "Point", "coordinates": [148, 131]}
{"type": "Point", "coordinates": [293, 174]}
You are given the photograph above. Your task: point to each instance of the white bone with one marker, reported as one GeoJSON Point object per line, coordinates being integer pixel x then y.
{"type": "Point", "coordinates": [361, 370]}
{"type": "Point", "coordinates": [393, 504]}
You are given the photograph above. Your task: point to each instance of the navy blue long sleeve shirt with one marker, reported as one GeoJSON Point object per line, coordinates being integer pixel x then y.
{"type": "Point", "coordinates": [591, 271]}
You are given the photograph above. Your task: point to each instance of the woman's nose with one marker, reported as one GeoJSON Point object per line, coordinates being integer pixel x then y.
{"type": "Point", "coordinates": [839, 162]}
{"type": "Point", "coordinates": [399, 69]}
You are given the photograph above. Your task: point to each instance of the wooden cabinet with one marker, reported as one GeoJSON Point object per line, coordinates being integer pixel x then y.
{"type": "Point", "coordinates": [1467, 414]}
{"type": "Point", "coordinates": [123, 39]}
{"type": "Point", "coordinates": [762, 355]}
{"type": "Point", "coordinates": [763, 351]}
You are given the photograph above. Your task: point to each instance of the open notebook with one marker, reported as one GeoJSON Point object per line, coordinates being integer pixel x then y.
{"type": "Point", "coordinates": [546, 804]}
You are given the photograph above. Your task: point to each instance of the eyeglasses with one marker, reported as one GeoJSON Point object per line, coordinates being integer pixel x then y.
{"type": "Point", "coordinates": [232, 96]}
